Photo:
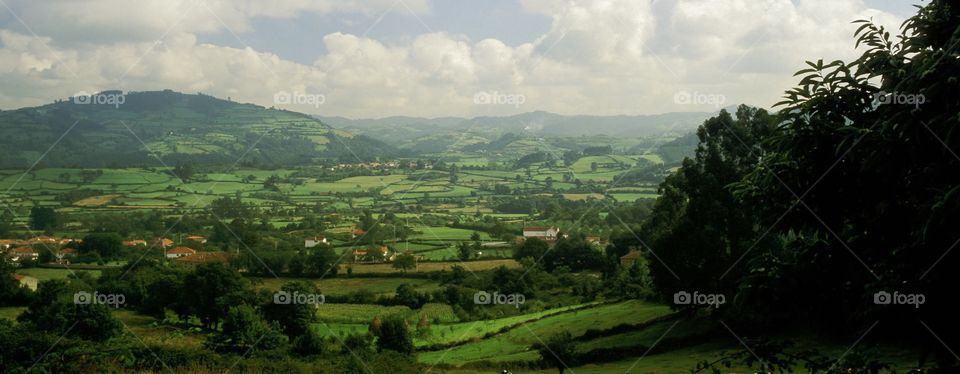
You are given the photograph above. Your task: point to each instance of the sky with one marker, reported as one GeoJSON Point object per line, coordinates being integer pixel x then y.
{"type": "Point", "coordinates": [431, 58]}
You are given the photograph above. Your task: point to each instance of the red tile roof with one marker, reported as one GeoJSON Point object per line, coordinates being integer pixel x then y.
{"type": "Point", "coordinates": [203, 257]}
{"type": "Point", "coordinates": [181, 250]}
{"type": "Point", "coordinates": [24, 250]}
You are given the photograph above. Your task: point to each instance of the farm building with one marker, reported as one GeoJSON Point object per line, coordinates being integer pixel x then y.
{"type": "Point", "coordinates": [197, 239]}
{"type": "Point", "coordinates": [202, 258]}
{"type": "Point", "coordinates": [64, 254]}
{"type": "Point", "coordinates": [357, 233]}
{"type": "Point", "coordinates": [543, 233]}
{"type": "Point", "coordinates": [314, 241]}
{"type": "Point", "coordinates": [630, 258]}
{"type": "Point", "coordinates": [26, 281]}
{"type": "Point", "coordinates": [375, 255]}
{"type": "Point", "coordinates": [180, 252]}
{"type": "Point", "coordinates": [23, 253]}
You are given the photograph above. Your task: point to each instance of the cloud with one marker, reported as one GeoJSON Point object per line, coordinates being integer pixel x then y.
{"type": "Point", "coordinates": [598, 57]}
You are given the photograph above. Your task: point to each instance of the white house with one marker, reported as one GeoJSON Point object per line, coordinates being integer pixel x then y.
{"type": "Point", "coordinates": [544, 233]}
{"type": "Point", "coordinates": [314, 241]}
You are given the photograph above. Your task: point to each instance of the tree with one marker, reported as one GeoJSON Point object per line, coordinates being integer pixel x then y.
{"type": "Point", "coordinates": [271, 183]}
{"type": "Point", "coordinates": [394, 334]}
{"type": "Point", "coordinates": [698, 229]}
{"type": "Point", "coordinates": [531, 247]}
{"type": "Point", "coordinates": [308, 343]}
{"type": "Point", "coordinates": [464, 251]}
{"type": "Point", "coordinates": [244, 330]}
{"type": "Point", "coordinates": [593, 166]}
{"type": "Point", "coordinates": [5, 226]}
{"type": "Point", "coordinates": [43, 218]}
{"type": "Point", "coordinates": [323, 260]}
{"type": "Point", "coordinates": [294, 319]}
{"type": "Point", "coordinates": [407, 295]}
{"type": "Point", "coordinates": [55, 310]}
{"type": "Point", "coordinates": [11, 293]}
{"type": "Point", "coordinates": [575, 253]}
{"type": "Point", "coordinates": [405, 262]}
{"type": "Point", "coordinates": [453, 174]}
{"type": "Point", "coordinates": [184, 171]}
{"type": "Point", "coordinates": [558, 351]}
{"type": "Point", "coordinates": [107, 245]}
{"type": "Point", "coordinates": [869, 147]}
{"type": "Point", "coordinates": [211, 289]}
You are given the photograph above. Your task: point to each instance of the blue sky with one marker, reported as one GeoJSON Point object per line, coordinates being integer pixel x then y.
{"type": "Point", "coordinates": [375, 58]}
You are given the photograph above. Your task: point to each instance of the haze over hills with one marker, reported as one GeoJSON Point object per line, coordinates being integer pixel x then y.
{"type": "Point", "coordinates": [538, 123]}
{"type": "Point", "coordinates": [455, 133]}
{"type": "Point", "coordinates": [136, 128]}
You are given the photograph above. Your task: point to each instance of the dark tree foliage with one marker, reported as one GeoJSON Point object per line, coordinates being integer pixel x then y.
{"type": "Point", "coordinates": [864, 172]}
{"type": "Point", "coordinates": [43, 218]}
{"type": "Point", "coordinates": [107, 245]}
{"type": "Point", "coordinates": [294, 319]}
{"type": "Point", "coordinates": [211, 288]}
{"type": "Point", "coordinates": [698, 230]}
{"type": "Point", "coordinates": [54, 310]}
{"type": "Point", "coordinates": [558, 351]}
{"type": "Point", "coordinates": [394, 334]}
{"type": "Point", "coordinates": [245, 330]}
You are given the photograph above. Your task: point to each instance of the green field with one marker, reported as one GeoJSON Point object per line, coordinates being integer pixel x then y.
{"type": "Point", "coordinates": [43, 274]}
{"type": "Point", "coordinates": [515, 344]}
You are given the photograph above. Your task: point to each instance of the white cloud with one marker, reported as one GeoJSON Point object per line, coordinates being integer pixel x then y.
{"type": "Point", "coordinates": [599, 56]}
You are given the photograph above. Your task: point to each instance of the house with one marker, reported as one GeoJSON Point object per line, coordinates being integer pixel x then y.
{"type": "Point", "coordinates": [197, 239]}
{"type": "Point", "coordinates": [161, 242]}
{"type": "Point", "coordinates": [358, 255]}
{"type": "Point", "coordinates": [630, 258]}
{"type": "Point", "coordinates": [202, 258]}
{"type": "Point", "coordinates": [314, 241]}
{"type": "Point", "coordinates": [43, 239]}
{"type": "Point", "coordinates": [64, 254]}
{"type": "Point", "coordinates": [7, 243]}
{"type": "Point", "coordinates": [542, 233]}
{"type": "Point", "coordinates": [180, 252]}
{"type": "Point", "coordinates": [379, 254]}
{"type": "Point", "coordinates": [23, 253]}
{"type": "Point", "coordinates": [357, 233]}
{"type": "Point", "coordinates": [134, 243]}
{"type": "Point", "coordinates": [26, 281]}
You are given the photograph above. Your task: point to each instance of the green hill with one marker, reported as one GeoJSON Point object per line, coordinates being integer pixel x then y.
{"type": "Point", "coordinates": [175, 127]}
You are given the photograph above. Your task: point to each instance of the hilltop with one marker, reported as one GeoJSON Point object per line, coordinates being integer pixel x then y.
{"type": "Point", "coordinates": [175, 127]}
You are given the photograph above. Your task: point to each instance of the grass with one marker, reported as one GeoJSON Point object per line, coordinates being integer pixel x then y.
{"type": "Point", "coordinates": [467, 331]}
{"type": "Point", "coordinates": [359, 313]}
{"type": "Point", "coordinates": [11, 312]}
{"type": "Point", "coordinates": [446, 233]}
{"type": "Point", "coordinates": [425, 267]}
{"type": "Point", "coordinates": [45, 274]}
{"type": "Point", "coordinates": [343, 286]}
{"type": "Point", "coordinates": [520, 339]}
